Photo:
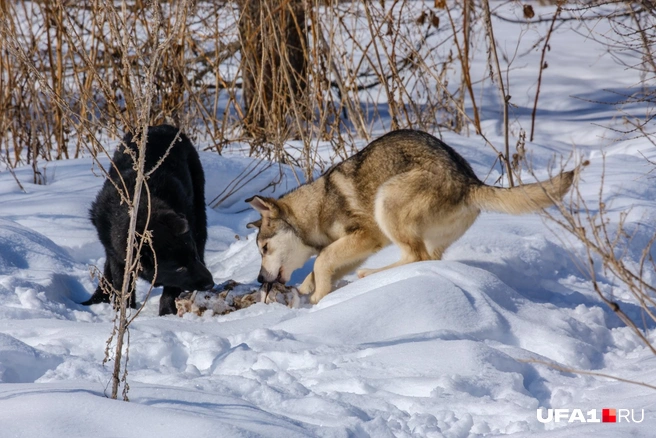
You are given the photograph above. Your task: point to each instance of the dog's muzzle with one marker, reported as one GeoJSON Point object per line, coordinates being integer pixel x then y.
{"type": "Point", "coordinates": [266, 277]}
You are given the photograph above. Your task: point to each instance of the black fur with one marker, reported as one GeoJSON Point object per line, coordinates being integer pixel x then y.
{"type": "Point", "coordinates": [177, 220]}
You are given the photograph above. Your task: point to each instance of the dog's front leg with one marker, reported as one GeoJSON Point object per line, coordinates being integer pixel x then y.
{"type": "Point", "coordinates": [307, 287]}
{"type": "Point", "coordinates": [167, 301]}
{"type": "Point", "coordinates": [345, 251]}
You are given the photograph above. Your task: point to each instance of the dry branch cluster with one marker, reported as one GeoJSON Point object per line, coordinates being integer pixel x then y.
{"type": "Point", "coordinates": [246, 72]}
{"type": "Point", "coordinates": [261, 73]}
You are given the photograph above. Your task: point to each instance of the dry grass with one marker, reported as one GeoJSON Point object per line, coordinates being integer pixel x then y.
{"type": "Point", "coordinates": [272, 79]}
{"type": "Point", "coordinates": [234, 76]}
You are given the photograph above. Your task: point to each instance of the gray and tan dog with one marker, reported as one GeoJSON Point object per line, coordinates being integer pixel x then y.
{"type": "Point", "coordinates": [406, 188]}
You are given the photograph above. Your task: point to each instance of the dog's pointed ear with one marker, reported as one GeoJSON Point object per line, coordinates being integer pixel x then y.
{"type": "Point", "coordinates": [176, 222]}
{"type": "Point", "coordinates": [257, 224]}
{"type": "Point", "coordinates": [147, 256]}
{"type": "Point", "coordinates": [181, 225]}
{"type": "Point", "coordinates": [266, 206]}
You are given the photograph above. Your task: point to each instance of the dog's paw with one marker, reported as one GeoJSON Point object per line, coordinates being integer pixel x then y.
{"type": "Point", "coordinates": [318, 295]}
{"type": "Point", "coordinates": [307, 287]}
{"type": "Point", "coordinates": [361, 273]}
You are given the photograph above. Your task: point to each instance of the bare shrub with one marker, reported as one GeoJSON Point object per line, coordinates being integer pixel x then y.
{"type": "Point", "coordinates": [136, 61]}
{"type": "Point", "coordinates": [616, 248]}
{"type": "Point", "coordinates": [306, 71]}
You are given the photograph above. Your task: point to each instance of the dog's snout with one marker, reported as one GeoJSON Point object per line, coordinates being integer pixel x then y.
{"type": "Point", "coordinates": [206, 280]}
{"type": "Point", "coordinates": [267, 277]}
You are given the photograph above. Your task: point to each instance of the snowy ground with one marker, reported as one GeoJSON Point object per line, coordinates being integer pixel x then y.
{"type": "Point", "coordinates": [430, 349]}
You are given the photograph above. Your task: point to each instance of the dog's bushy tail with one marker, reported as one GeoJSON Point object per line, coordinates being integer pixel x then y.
{"type": "Point", "coordinates": [526, 198]}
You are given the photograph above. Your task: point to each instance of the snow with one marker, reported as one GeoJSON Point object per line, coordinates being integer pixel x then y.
{"type": "Point", "coordinates": [452, 348]}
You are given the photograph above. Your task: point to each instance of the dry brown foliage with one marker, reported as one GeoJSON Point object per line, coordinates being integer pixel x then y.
{"type": "Point", "coordinates": [248, 76]}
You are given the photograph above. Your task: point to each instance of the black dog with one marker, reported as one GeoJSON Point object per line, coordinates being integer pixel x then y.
{"type": "Point", "coordinates": [177, 218]}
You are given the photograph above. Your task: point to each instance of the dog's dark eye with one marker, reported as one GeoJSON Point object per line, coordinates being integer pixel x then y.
{"type": "Point", "coordinates": [265, 248]}
{"type": "Point", "coordinates": [181, 269]}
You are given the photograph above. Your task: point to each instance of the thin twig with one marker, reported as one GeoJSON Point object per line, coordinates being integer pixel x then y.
{"type": "Point", "coordinates": [542, 67]}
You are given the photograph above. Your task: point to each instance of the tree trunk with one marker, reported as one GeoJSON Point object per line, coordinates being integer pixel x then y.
{"type": "Point", "coordinates": [274, 64]}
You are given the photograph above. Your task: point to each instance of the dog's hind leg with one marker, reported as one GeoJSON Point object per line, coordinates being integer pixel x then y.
{"type": "Point", "coordinates": [342, 271]}
{"type": "Point", "coordinates": [419, 215]}
{"type": "Point", "coordinates": [432, 242]}
{"type": "Point", "coordinates": [110, 283]}
{"type": "Point", "coordinates": [105, 283]}
{"type": "Point", "coordinates": [448, 228]}
{"type": "Point", "coordinates": [412, 251]}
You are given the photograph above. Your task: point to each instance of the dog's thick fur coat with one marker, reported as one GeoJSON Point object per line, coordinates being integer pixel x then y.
{"type": "Point", "coordinates": [177, 217]}
{"type": "Point", "coordinates": [406, 188]}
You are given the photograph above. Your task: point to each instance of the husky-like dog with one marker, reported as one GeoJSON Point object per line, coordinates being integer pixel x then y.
{"type": "Point", "coordinates": [406, 188]}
